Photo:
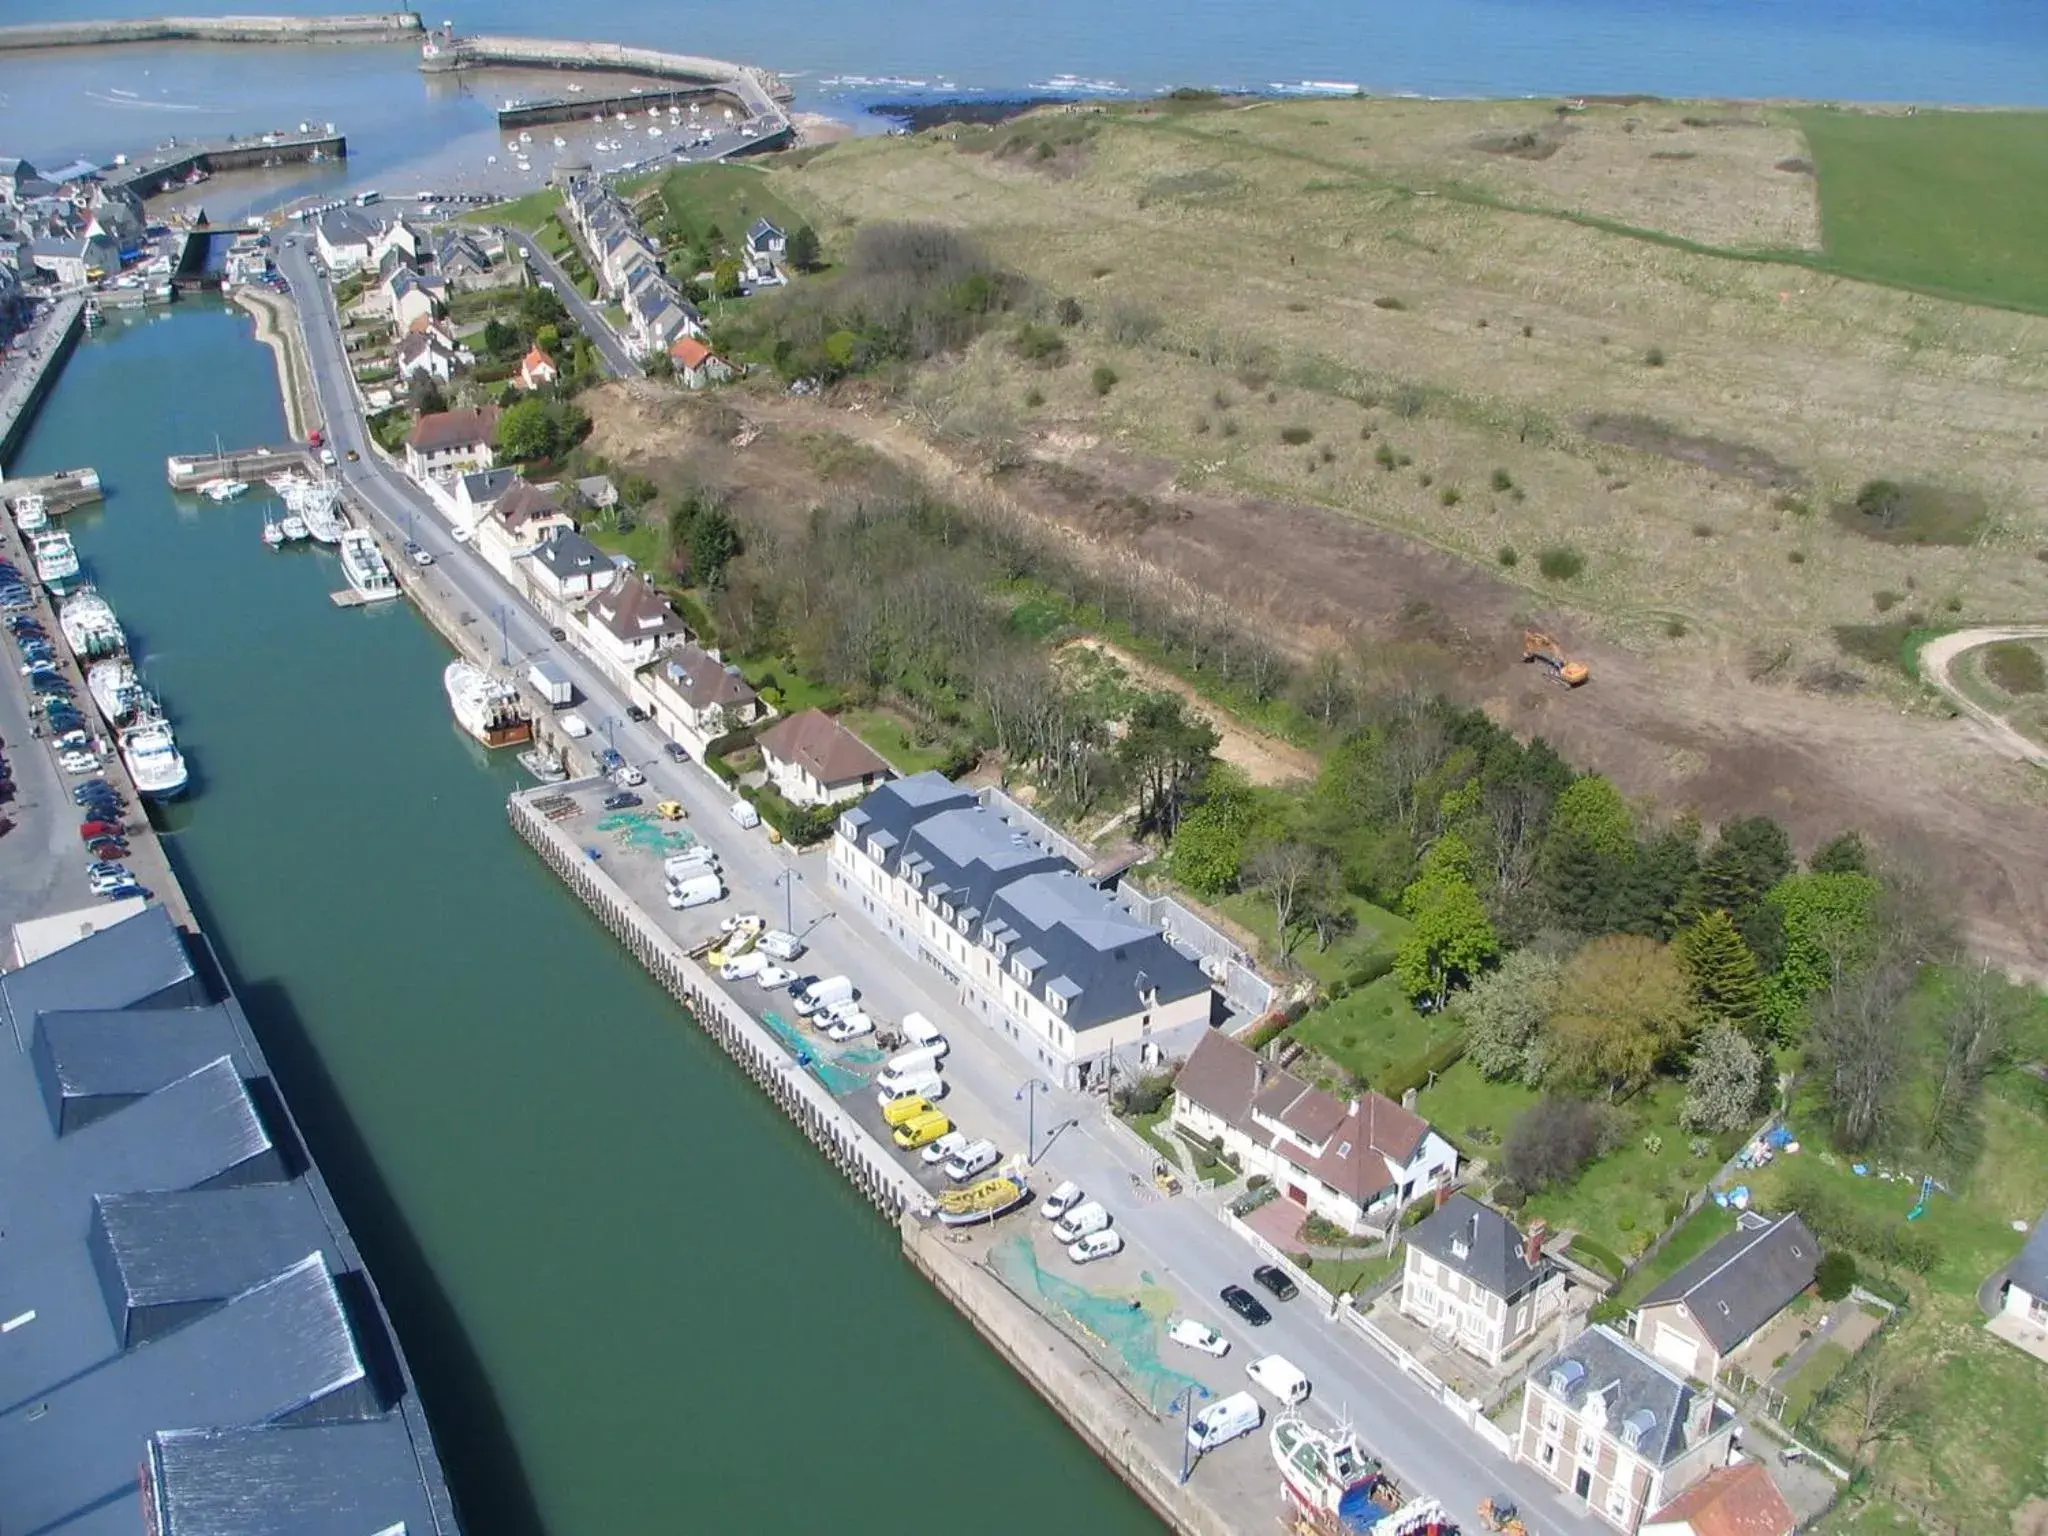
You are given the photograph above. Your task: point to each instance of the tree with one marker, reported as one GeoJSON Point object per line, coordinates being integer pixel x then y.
{"type": "Point", "coordinates": [1857, 1051]}
{"type": "Point", "coordinates": [802, 249]}
{"type": "Point", "coordinates": [1624, 1007]}
{"type": "Point", "coordinates": [1835, 1276]}
{"type": "Point", "coordinates": [1883, 1394]}
{"type": "Point", "coordinates": [1167, 751]}
{"type": "Point", "coordinates": [428, 398]}
{"type": "Point", "coordinates": [725, 279]}
{"type": "Point", "coordinates": [1451, 942]}
{"type": "Point", "coordinates": [1551, 1141]}
{"type": "Point", "coordinates": [1723, 973]}
{"type": "Point", "coordinates": [549, 339]}
{"type": "Point", "coordinates": [1282, 870]}
{"type": "Point", "coordinates": [1843, 854]}
{"type": "Point", "coordinates": [1447, 863]}
{"type": "Point", "coordinates": [1579, 881]}
{"type": "Point", "coordinates": [499, 338]}
{"type": "Point", "coordinates": [1593, 809]}
{"type": "Point", "coordinates": [1973, 1031]}
{"type": "Point", "coordinates": [525, 431]}
{"type": "Point", "coordinates": [1649, 894]}
{"type": "Point", "coordinates": [1724, 1080]}
{"type": "Point", "coordinates": [714, 544]}
{"type": "Point", "coordinates": [1829, 925]}
{"type": "Point", "coordinates": [1748, 858]}
{"type": "Point", "coordinates": [1503, 1012]}
{"type": "Point", "coordinates": [1209, 845]}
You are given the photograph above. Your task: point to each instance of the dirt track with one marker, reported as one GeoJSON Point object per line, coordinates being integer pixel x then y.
{"type": "Point", "coordinates": [1935, 658]}
{"type": "Point", "coordinates": [1686, 730]}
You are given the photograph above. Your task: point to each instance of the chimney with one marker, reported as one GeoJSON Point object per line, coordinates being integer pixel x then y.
{"type": "Point", "coordinates": [1699, 1415]}
{"type": "Point", "coordinates": [1443, 1196]}
{"type": "Point", "coordinates": [1532, 1244]}
{"type": "Point", "coordinates": [1351, 1108]}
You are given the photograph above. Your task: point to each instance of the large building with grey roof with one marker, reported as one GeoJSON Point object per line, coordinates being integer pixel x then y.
{"type": "Point", "coordinates": [1037, 953]}
{"type": "Point", "coordinates": [1620, 1432]}
{"type": "Point", "coordinates": [189, 1343]}
{"type": "Point", "coordinates": [1707, 1313]}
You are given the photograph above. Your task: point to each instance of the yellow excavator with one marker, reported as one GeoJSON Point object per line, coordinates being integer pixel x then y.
{"type": "Point", "coordinates": [1537, 646]}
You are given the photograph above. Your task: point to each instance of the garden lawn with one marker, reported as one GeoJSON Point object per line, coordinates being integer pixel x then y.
{"type": "Point", "coordinates": [729, 196]}
{"type": "Point", "coordinates": [1821, 1368]}
{"type": "Point", "coordinates": [1372, 1030]}
{"type": "Point", "coordinates": [1377, 932]}
{"type": "Point", "coordinates": [1701, 1230]}
{"type": "Point", "coordinates": [640, 543]}
{"type": "Point", "coordinates": [889, 734]}
{"type": "Point", "coordinates": [1353, 1274]}
{"type": "Point", "coordinates": [1472, 1112]}
{"type": "Point", "coordinates": [1947, 202]}
{"type": "Point", "coordinates": [527, 213]}
{"type": "Point", "coordinates": [795, 690]}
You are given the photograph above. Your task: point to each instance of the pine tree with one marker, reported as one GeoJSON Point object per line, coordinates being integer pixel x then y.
{"type": "Point", "coordinates": [1723, 973]}
{"type": "Point", "coordinates": [1578, 883]}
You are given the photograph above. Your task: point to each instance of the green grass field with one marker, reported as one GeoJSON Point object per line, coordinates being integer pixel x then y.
{"type": "Point", "coordinates": [889, 734]}
{"type": "Point", "coordinates": [728, 196]}
{"type": "Point", "coordinates": [1372, 1030]}
{"type": "Point", "coordinates": [527, 213]}
{"type": "Point", "coordinates": [1946, 202]}
{"type": "Point", "coordinates": [1375, 931]}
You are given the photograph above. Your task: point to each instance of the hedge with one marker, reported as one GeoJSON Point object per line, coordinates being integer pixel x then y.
{"type": "Point", "coordinates": [1596, 1256]}
{"type": "Point", "coordinates": [800, 825]}
{"type": "Point", "coordinates": [1416, 1071]}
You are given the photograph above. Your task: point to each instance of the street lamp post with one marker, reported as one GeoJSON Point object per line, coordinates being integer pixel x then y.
{"type": "Point", "coordinates": [610, 726]}
{"type": "Point", "coordinates": [1029, 1093]}
{"type": "Point", "coordinates": [787, 880]}
{"type": "Point", "coordinates": [1184, 1405]}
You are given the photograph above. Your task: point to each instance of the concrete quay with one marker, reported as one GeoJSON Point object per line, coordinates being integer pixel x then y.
{"type": "Point", "coordinates": [187, 472]}
{"type": "Point", "coordinates": [760, 92]}
{"type": "Point", "coordinates": [32, 366]}
{"type": "Point", "coordinates": [385, 27]}
{"type": "Point", "coordinates": [169, 164]}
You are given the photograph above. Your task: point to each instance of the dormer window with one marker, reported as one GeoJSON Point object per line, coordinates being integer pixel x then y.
{"type": "Point", "coordinates": [1021, 971]}
{"type": "Point", "coordinates": [1058, 1001]}
{"type": "Point", "coordinates": [962, 922]}
{"type": "Point", "coordinates": [875, 849]}
{"type": "Point", "coordinates": [947, 908]}
{"type": "Point", "coordinates": [1459, 1248]}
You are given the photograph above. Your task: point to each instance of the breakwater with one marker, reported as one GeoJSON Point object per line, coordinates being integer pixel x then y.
{"type": "Point", "coordinates": [761, 92]}
{"type": "Point", "coordinates": [871, 1170]}
{"type": "Point", "coordinates": [38, 359]}
{"type": "Point", "coordinates": [175, 161]}
{"type": "Point", "coordinates": [384, 27]}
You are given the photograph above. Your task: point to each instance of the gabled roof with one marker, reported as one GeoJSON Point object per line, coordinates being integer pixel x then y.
{"type": "Point", "coordinates": [464, 428]}
{"type": "Point", "coordinates": [140, 961]}
{"type": "Point", "coordinates": [634, 610]}
{"type": "Point", "coordinates": [90, 1064]}
{"type": "Point", "coordinates": [1639, 1396]}
{"type": "Point", "coordinates": [416, 344]}
{"type": "Point", "coordinates": [1480, 1244]}
{"type": "Point", "coordinates": [1745, 1279]}
{"type": "Point", "coordinates": [524, 503]}
{"type": "Point", "coordinates": [1738, 1500]}
{"type": "Point", "coordinates": [762, 228]}
{"type": "Point", "coordinates": [287, 1480]}
{"type": "Point", "coordinates": [483, 486]}
{"type": "Point", "coordinates": [894, 808]}
{"type": "Point", "coordinates": [2030, 1270]}
{"type": "Point", "coordinates": [573, 555]}
{"type": "Point", "coordinates": [535, 360]}
{"type": "Point", "coordinates": [348, 226]}
{"type": "Point", "coordinates": [703, 680]}
{"type": "Point", "coordinates": [822, 747]}
{"type": "Point", "coordinates": [689, 352]}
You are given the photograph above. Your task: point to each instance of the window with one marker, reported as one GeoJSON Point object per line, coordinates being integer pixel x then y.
{"type": "Point", "coordinates": [1617, 1500]}
{"type": "Point", "coordinates": [1021, 971]}
{"type": "Point", "coordinates": [1550, 1453]}
{"type": "Point", "coordinates": [947, 908]}
{"type": "Point", "coordinates": [1145, 1025]}
{"type": "Point", "coordinates": [1058, 1001]}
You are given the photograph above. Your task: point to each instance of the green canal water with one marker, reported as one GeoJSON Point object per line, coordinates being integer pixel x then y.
{"type": "Point", "coordinates": [635, 1299]}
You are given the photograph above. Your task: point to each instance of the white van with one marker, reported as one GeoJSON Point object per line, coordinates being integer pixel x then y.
{"type": "Point", "coordinates": [743, 812]}
{"type": "Point", "coordinates": [1080, 1221]}
{"type": "Point", "coordinates": [695, 860]}
{"type": "Point", "coordinates": [922, 1059]}
{"type": "Point", "coordinates": [920, 1080]}
{"type": "Point", "coordinates": [822, 994]}
{"type": "Point", "coordinates": [786, 946]}
{"type": "Point", "coordinates": [919, 1032]}
{"type": "Point", "coordinates": [1281, 1377]}
{"type": "Point", "coordinates": [931, 1089]}
{"type": "Point", "coordinates": [1221, 1423]}
{"type": "Point", "coordinates": [575, 727]}
{"type": "Point", "coordinates": [976, 1157]}
{"type": "Point", "coordinates": [699, 891]}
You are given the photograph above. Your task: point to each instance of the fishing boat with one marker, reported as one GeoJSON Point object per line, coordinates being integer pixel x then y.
{"type": "Point", "coordinates": [487, 707]}
{"type": "Point", "coordinates": [545, 766]}
{"type": "Point", "coordinates": [31, 513]}
{"type": "Point", "coordinates": [981, 1202]}
{"type": "Point", "coordinates": [1329, 1475]}
{"type": "Point", "coordinates": [293, 527]}
{"type": "Point", "coordinates": [116, 689]}
{"type": "Point", "coordinates": [56, 561]}
{"type": "Point", "coordinates": [363, 563]}
{"type": "Point", "coordinates": [90, 627]}
{"type": "Point", "coordinates": [224, 490]}
{"type": "Point", "coordinates": [273, 533]}
{"type": "Point", "coordinates": [319, 508]}
{"type": "Point", "coordinates": [154, 762]}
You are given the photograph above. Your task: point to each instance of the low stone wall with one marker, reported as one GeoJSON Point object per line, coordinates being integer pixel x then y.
{"type": "Point", "coordinates": [387, 27]}
{"type": "Point", "coordinates": [27, 380]}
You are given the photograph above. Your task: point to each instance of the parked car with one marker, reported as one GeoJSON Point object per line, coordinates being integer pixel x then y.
{"type": "Point", "coordinates": [921, 1130]}
{"type": "Point", "coordinates": [674, 749]}
{"type": "Point", "coordinates": [1080, 1221]}
{"type": "Point", "coordinates": [1246, 1305]}
{"type": "Point", "coordinates": [944, 1148]}
{"type": "Point", "coordinates": [636, 714]}
{"type": "Point", "coordinates": [1061, 1201]}
{"type": "Point", "coordinates": [904, 1107]}
{"type": "Point", "coordinates": [78, 762]}
{"type": "Point", "coordinates": [621, 800]}
{"type": "Point", "coordinates": [630, 776]}
{"type": "Point", "coordinates": [1198, 1336]}
{"type": "Point", "coordinates": [102, 882]}
{"type": "Point", "coordinates": [742, 967]}
{"type": "Point", "coordinates": [850, 1025]}
{"type": "Point", "coordinates": [773, 976]}
{"type": "Point", "coordinates": [1096, 1245]}
{"type": "Point", "coordinates": [1281, 1377]}
{"type": "Point", "coordinates": [1275, 1279]}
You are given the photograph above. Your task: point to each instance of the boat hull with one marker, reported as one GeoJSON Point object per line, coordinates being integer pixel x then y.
{"type": "Point", "coordinates": [487, 711]}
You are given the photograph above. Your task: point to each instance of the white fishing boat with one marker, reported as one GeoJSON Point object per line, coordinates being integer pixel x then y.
{"type": "Point", "coordinates": [116, 689]}
{"type": "Point", "coordinates": [273, 534]}
{"type": "Point", "coordinates": [293, 527]}
{"type": "Point", "coordinates": [487, 707]}
{"type": "Point", "coordinates": [1327, 1474]}
{"type": "Point", "coordinates": [154, 762]}
{"type": "Point", "coordinates": [560, 142]}
{"type": "Point", "coordinates": [224, 490]}
{"type": "Point", "coordinates": [56, 561]}
{"type": "Point", "coordinates": [317, 504]}
{"type": "Point", "coordinates": [31, 513]}
{"type": "Point", "coordinates": [89, 625]}
{"type": "Point", "coordinates": [544, 765]}
{"type": "Point", "coordinates": [363, 563]}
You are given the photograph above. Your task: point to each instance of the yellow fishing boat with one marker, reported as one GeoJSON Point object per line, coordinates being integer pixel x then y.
{"type": "Point", "coordinates": [982, 1202]}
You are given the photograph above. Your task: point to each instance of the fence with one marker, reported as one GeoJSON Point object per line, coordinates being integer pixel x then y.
{"type": "Point", "coordinates": [873, 1172]}
{"type": "Point", "coordinates": [1247, 992]}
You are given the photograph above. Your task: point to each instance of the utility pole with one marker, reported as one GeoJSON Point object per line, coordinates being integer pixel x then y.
{"type": "Point", "coordinates": [1184, 1405]}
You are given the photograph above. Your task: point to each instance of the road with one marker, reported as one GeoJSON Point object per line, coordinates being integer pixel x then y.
{"type": "Point", "coordinates": [618, 362]}
{"type": "Point", "coordinates": [1178, 1239]}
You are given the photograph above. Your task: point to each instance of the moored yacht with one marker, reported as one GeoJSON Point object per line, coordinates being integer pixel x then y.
{"type": "Point", "coordinates": [224, 490]}
{"type": "Point", "coordinates": [154, 762]}
{"type": "Point", "coordinates": [88, 622]}
{"type": "Point", "coordinates": [487, 707]}
{"type": "Point", "coordinates": [364, 565]}
{"type": "Point", "coordinates": [56, 561]}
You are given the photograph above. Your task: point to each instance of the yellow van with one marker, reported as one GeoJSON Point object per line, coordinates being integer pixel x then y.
{"type": "Point", "coordinates": [922, 1131]}
{"type": "Point", "coordinates": [907, 1107]}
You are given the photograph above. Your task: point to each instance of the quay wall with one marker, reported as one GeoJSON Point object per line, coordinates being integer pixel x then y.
{"type": "Point", "coordinates": [151, 176]}
{"type": "Point", "coordinates": [872, 1171]}
{"type": "Point", "coordinates": [22, 392]}
{"type": "Point", "coordinates": [384, 27]}
{"type": "Point", "coordinates": [760, 90]}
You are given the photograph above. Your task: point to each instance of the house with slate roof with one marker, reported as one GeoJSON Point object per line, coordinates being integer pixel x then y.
{"type": "Point", "coordinates": [629, 624]}
{"type": "Point", "coordinates": [1475, 1281]}
{"type": "Point", "coordinates": [569, 568]}
{"type": "Point", "coordinates": [446, 444]}
{"type": "Point", "coordinates": [695, 698]}
{"type": "Point", "coordinates": [1703, 1315]}
{"type": "Point", "coordinates": [2023, 1310]}
{"type": "Point", "coordinates": [1619, 1432]}
{"type": "Point", "coordinates": [1036, 953]}
{"type": "Point", "coordinates": [1355, 1162]}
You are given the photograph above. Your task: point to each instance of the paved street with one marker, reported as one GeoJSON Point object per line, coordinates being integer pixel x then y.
{"type": "Point", "coordinates": [1179, 1240]}
{"type": "Point", "coordinates": [618, 361]}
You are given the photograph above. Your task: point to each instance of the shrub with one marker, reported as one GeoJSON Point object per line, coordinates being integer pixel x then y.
{"type": "Point", "coordinates": [2015, 667]}
{"type": "Point", "coordinates": [1294, 437]}
{"type": "Point", "coordinates": [1146, 1096]}
{"type": "Point", "coordinates": [1560, 562]}
{"type": "Point", "coordinates": [1409, 401]}
{"type": "Point", "coordinates": [1885, 600]}
{"type": "Point", "coordinates": [1388, 301]}
{"type": "Point", "coordinates": [1384, 456]}
{"type": "Point", "coordinates": [1201, 426]}
{"type": "Point", "coordinates": [1836, 1276]}
{"type": "Point", "coordinates": [1229, 427]}
{"type": "Point", "coordinates": [1508, 556]}
{"type": "Point", "coordinates": [1703, 530]}
{"type": "Point", "coordinates": [1103, 379]}
{"type": "Point", "coordinates": [1597, 1257]}
{"type": "Point", "coordinates": [1034, 398]}
{"type": "Point", "coordinates": [1509, 1195]}
{"type": "Point", "coordinates": [1502, 480]}
{"type": "Point", "coordinates": [1068, 312]}
{"type": "Point", "coordinates": [1674, 628]}
{"type": "Point", "coordinates": [1654, 358]}
{"type": "Point", "coordinates": [1041, 345]}
{"type": "Point", "coordinates": [1795, 556]}
{"type": "Point", "coordinates": [1908, 512]}
{"type": "Point", "coordinates": [1551, 1141]}
{"type": "Point", "coordinates": [1450, 496]}
{"type": "Point", "coordinates": [1416, 1071]}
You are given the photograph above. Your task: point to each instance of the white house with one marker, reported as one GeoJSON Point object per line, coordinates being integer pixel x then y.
{"type": "Point", "coordinates": [569, 568]}
{"type": "Point", "coordinates": [470, 497]}
{"type": "Point", "coordinates": [814, 760]}
{"type": "Point", "coordinates": [1472, 1279]}
{"type": "Point", "coordinates": [520, 522]}
{"type": "Point", "coordinates": [1621, 1433]}
{"type": "Point", "coordinates": [450, 443]}
{"type": "Point", "coordinates": [696, 364]}
{"type": "Point", "coordinates": [409, 298]}
{"type": "Point", "coordinates": [697, 698]}
{"type": "Point", "coordinates": [629, 624]}
{"type": "Point", "coordinates": [424, 352]}
{"type": "Point", "coordinates": [344, 237]}
{"type": "Point", "coordinates": [2023, 1310]}
{"type": "Point", "coordinates": [536, 370]}
{"type": "Point", "coordinates": [1035, 953]}
{"type": "Point", "coordinates": [1354, 1162]}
